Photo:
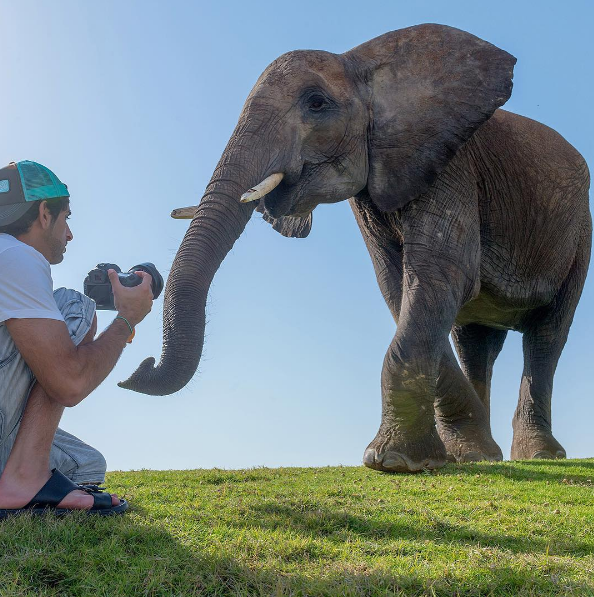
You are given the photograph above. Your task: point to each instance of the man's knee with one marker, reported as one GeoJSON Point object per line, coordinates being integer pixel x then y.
{"type": "Point", "coordinates": [78, 311]}
{"type": "Point", "coordinates": [78, 461]}
{"type": "Point", "coordinates": [93, 469]}
{"type": "Point", "coordinates": [90, 468]}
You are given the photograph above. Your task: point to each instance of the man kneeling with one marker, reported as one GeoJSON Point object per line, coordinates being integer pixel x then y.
{"type": "Point", "coordinates": [49, 357]}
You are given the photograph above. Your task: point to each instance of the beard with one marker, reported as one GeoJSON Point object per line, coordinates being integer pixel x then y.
{"type": "Point", "coordinates": [57, 259]}
{"type": "Point", "coordinates": [56, 250]}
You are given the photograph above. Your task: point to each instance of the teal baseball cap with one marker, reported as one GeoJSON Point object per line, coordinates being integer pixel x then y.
{"type": "Point", "coordinates": [21, 183]}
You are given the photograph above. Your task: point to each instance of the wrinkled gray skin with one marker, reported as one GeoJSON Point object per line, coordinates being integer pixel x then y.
{"type": "Point", "coordinates": [476, 220]}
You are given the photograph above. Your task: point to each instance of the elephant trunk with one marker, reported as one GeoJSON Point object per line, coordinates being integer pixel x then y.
{"type": "Point", "coordinates": [218, 222]}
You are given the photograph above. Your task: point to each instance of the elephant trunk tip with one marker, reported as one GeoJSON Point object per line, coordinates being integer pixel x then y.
{"type": "Point", "coordinates": [146, 380]}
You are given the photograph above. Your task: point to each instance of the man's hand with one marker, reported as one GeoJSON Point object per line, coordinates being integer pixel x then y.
{"type": "Point", "coordinates": [133, 303]}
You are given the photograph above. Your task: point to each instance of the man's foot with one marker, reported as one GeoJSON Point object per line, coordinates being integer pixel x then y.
{"type": "Point", "coordinates": [18, 493]}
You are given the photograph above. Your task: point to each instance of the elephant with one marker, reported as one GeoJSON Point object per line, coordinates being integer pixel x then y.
{"type": "Point", "coordinates": [476, 219]}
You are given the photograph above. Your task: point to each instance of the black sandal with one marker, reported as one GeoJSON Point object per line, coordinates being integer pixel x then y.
{"type": "Point", "coordinates": [56, 489]}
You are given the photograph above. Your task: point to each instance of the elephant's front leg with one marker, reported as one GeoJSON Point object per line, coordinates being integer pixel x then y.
{"type": "Point", "coordinates": [440, 272]}
{"type": "Point", "coordinates": [433, 291]}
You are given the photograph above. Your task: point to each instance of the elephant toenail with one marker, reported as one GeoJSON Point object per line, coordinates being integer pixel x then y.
{"type": "Point", "coordinates": [369, 457]}
{"type": "Point", "coordinates": [394, 462]}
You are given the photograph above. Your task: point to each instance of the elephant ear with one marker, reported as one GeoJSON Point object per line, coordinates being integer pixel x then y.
{"type": "Point", "coordinates": [431, 87]}
{"type": "Point", "coordinates": [287, 225]}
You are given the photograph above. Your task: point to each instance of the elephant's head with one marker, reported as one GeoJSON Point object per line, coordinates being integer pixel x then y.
{"type": "Point", "coordinates": [319, 128]}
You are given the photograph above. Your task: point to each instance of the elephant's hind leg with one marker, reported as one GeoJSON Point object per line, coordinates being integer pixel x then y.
{"type": "Point", "coordinates": [533, 436]}
{"type": "Point", "coordinates": [461, 418]}
{"type": "Point", "coordinates": [543, 342]}
{"type": "Point", "coordinates": [478, 346]}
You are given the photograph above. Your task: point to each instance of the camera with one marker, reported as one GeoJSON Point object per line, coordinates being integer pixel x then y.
{"type": "Point", "coordinates": [98, 287]}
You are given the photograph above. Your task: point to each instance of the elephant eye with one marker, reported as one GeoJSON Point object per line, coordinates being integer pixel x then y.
{"type": "Point", "coordinates": [316, 103]}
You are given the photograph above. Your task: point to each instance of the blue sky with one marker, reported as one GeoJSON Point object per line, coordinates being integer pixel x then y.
{"type": "Point", "coordinates": [131, 103]}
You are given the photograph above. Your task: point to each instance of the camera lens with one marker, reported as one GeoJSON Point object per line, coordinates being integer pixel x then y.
{"type": "Point", "coordinates": [149, 268]}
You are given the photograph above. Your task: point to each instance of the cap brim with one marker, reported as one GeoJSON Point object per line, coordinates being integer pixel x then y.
{"type": "Point", "coordinates": [9, 214]}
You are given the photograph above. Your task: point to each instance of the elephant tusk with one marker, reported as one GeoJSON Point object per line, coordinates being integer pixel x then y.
{"type": "Point", "coordinates": [263, 188]}
{"type": "Point", "coordinates": [184, 213]}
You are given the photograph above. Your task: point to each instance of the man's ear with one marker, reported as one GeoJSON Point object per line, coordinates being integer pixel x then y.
{"type": "Point", "coordinates": [287, 225]}
{"type": "Point", "coordinates": [430, 88]}
{"type": "Point", "coordinates": [45, 216]}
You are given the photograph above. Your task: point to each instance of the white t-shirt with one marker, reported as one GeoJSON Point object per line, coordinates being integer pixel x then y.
{"type": "Point", "coordinates": [26, 286]}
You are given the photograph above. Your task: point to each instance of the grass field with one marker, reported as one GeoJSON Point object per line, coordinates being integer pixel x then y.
{"type": "Point", "coordinates": [522, 528]}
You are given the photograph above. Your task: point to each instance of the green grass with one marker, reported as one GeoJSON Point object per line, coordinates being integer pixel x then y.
{"type": "Point", "coordinates": [522, 528]}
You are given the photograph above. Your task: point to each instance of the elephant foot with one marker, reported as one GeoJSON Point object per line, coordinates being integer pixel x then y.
{"type": "Point", "coordinates": [393, 452]}
{"type": "Point", "coordinates": [468, 441]}
{"type": "Point", "coordinates": [532, 442]}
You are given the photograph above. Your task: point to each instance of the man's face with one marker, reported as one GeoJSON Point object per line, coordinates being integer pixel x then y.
{"type": "Point", "coordinates": [58, 235]}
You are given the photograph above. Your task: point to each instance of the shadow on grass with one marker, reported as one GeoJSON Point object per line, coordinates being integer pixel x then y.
{"type": "Point", "coordinates": [130, 556]}
{"type": "Point", "coordinates": [337, 526]}
{"type": "Point", "coordinates": [531, 470]}
{"type": "Point", "coordinates": [585, 464]}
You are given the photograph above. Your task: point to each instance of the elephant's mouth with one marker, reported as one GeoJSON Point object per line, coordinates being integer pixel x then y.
{"type": "Point", "coordinates": [296, 196]}
{"type": "Point", "coordinates": [281, 200]}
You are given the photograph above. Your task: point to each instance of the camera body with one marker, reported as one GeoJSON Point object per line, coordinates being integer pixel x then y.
{"type": "Point", "coordinates": [98, 287]}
